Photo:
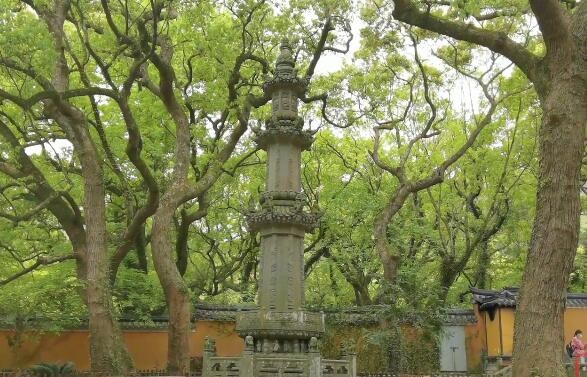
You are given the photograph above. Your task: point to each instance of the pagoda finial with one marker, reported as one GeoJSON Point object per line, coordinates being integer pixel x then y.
{"type": "Point", "coordinates": [285, 61]}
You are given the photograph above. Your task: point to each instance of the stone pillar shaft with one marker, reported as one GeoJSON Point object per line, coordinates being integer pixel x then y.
{"type": "Point", "coordinates": [282, 265]}
{"type": "Point", "coordinates": [283, 167]}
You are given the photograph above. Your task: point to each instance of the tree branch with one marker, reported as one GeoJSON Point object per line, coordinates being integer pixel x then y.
{"type": "Point", "coordinates": [41, 261]}
{"type": "Point", "coordinates": [35, 210]}
{"type": "Point", "coordinates": [553, 21]}
{"type": "Point", "coordinates": [406, 11]}
{"type": "Point", "coordinates": [326, 29]}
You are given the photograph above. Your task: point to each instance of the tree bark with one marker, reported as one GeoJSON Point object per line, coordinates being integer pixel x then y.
{"type": "Point", "coordinates": [555, 234]}
{"type": "Point", "coordinates": [107, 349]}
{"type": "Point", "coordinates": [389, 259]}
{"type": "Point", "coordinates": [176, 292]}
{"type": "Point", "coordinates": [362, 296]}
{"type": "Point", "coordinates": [541, 304]}
{"type": "Point", "coordinates": [108, 352]}
{"type": "Point", "coordinates": [483, 264]}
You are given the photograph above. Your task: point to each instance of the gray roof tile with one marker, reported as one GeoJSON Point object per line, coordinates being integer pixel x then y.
{"type": "Point", "coordinates": [506, 298]}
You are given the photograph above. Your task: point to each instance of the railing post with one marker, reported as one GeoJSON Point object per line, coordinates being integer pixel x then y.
{"type": "Point", "coordinates": [352, 358]}
{"type": "Point", "coordinates": [314, 358]}
{"type": "Point", "coordinates": [209, 351]}
{"type": "Point", "coordinates": [246, 361]}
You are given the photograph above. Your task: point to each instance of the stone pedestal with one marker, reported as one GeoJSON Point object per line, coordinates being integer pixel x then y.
{"type": "Point", "coordinates": [253, 364]}
{"type": "Point", "coordinates": [281, 337]}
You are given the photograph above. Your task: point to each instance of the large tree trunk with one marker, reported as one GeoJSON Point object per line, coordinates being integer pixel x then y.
{"type": "Point", "coordinates": [362, 296]}
{"type": "Point", "coordinates": [560, 78]}
{"type": "Point", "coordinates": [176, 291]}
{"type": "Point", "coordinates": [107, 349]}
{"type": "Point", "coordinates": [541, 305]}
{"type": "Point", "coordinates": [390, 259]}
{"type": "Point", "coordinates": [483, 264]}
{"type": "Point", "coordinates": [108, 352]}
{"type": "Point", "coordinates": [449, 270]}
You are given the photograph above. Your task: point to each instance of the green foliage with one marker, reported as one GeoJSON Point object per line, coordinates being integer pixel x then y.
{"type": "Point", "coordinates": [371, 90]}
{"type": "Point", "coordinates": [53, 369]}
{"type": "Point", "coordinates": [138, 296]}
{"type": "Point", "coordinates": [384, 346]}
{"type": "Point", "coordinates": [45, 301]}
{"type": "Point", "coordinates": [405, 351]}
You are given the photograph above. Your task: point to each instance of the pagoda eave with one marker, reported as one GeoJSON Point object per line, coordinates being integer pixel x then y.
{"type": "Point", "coordinates": [257, 221]}
{"type": "Point", "coordinates": [270, 323]}
{"type": "Point", "coordinates": [296, 84]}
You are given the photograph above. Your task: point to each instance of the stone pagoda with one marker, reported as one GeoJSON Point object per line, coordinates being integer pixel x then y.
{"type": "Point", "coordinates": [281, 337]}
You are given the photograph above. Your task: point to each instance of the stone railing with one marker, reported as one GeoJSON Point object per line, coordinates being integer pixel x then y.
{"type": "Point", "coordinates": [222, 366]}
{"type": "Point", "coordinates": [77, 373]}
{"type": "Point", "coordinates": [503, 372]}
{"type": "Point", "coordinates": [336, 368]}
{"type": "Point", "coordinates": [431, 374]}
{"type": "Point", "coordinates": [277, 366]}
{"type": "Point", "coordinates": [273, 365]}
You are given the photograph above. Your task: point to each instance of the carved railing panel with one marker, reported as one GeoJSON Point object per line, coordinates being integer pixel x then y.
{"type": "Point", "coordinates": [335, 368]}
{"type": "Point", "coordinates": [223, 367]}
{"type": "Point", "coordinates": [286, 367]}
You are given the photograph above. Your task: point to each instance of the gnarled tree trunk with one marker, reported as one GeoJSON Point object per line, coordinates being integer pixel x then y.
{"type": "Point", "coordinates": [107, 350]}
{"type": "Point", "coordinates": [390, 258]}
{"type": "Point", "coordinates": [555, 234]}
{"type": "Point", "coordinates": [541, 305]}
{"type": "Point", "coordinates": [176, 291]}
{"type": "Point", "coordinates": [481, 279]}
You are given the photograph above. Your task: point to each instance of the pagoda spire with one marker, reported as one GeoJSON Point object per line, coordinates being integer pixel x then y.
{"type": "Point", "coordinates": [285, 61]}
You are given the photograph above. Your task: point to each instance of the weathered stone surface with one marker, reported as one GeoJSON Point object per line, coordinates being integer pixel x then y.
{"type": "Point", "coordinates": [282, 215]}
{"type": "Point", "coordinates": [287, 325]}
{"type": "Point", "coordinates": [284, 129]}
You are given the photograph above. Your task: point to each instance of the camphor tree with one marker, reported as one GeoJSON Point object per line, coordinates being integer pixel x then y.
{"type": "Point", "coordinates": [555, 63]}
{"type": "Point", "coordinates": [419, 135]}
{"type": "Point", "coordinates": [470, 209]}
{"type": "Point", "coordinates": [39, 91]}
{"type": "Point", "coordinates": [345, 185]}
{"type": "Point", "coordinates": [54, 94]}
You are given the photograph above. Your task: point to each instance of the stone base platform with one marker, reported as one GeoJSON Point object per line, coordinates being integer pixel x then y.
{"type": "Point", "coordinates": [288, 331]}
{"type": "Point", "coordinates": [253, 364]}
